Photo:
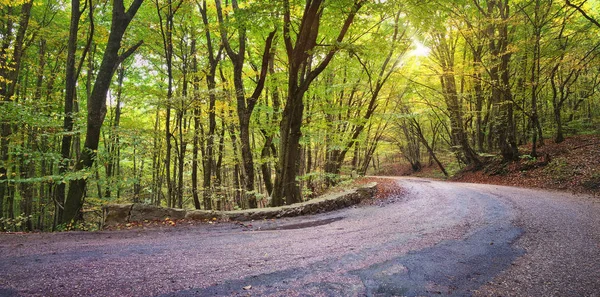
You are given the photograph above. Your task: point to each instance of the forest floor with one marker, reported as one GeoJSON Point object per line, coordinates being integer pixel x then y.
{"type": "Point", "coordinates": [572, 165]}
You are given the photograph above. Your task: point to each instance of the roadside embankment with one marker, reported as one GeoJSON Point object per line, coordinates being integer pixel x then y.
{"type": "Point", "coordinates": [114, 214]}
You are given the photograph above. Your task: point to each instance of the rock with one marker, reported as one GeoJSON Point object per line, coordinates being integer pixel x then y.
{"type": "Point", "coordinates": [238, 215]}
{"type": "Point", "coordinates": [141, 212]}
{"type": "Point", "coordinates": [202, 215]}
{"type": "Point", "coordinates": [116, 214]}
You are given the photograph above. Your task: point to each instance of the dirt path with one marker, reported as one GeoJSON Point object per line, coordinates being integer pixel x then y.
{"type": "Point", "coordinates": [443, 238]}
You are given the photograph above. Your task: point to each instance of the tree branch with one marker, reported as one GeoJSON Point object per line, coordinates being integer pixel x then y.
{"type": "Point", "coordinates": [585, 15]}
{"type": "Point", "coordinates": [263, 70]}
{"type": "Point", "coordinates": [127, 53]}
{"type": "Point", "coordinates": [133, 8]}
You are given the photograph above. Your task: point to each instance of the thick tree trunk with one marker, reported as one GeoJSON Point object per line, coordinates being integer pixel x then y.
{"type": "Point", "coordinates": [70, 93]}
{"type": "Point", "coordinates": [247, 160]}
{"type": "Point", "coordinates": [97, 104]}
{"type": "Point", "coordinates": [503, 127]}
{"type": "Point", "coordinates": [286, 189]}
{"type": "Point", "coordinates": [300, 76]}
{"type": "Point", "coordinates": [560, 137]}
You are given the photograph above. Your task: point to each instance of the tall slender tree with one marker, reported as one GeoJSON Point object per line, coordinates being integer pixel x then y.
{"type": "Point", "coordinates": [245, 105]}
{"type": "Point", "coordinates": [10, 68]}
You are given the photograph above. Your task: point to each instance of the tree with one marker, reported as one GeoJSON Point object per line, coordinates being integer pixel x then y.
{"type": "Point", "coordinates": [166, 31]}
{"type": "Point", "coordinates": [538, 21]}
{"type": "Point", "coordinates": [121, 19]}
{"type": "Point", "coordinates": [300, 54]}
{"type": "Point", "coordinates": [10, 67]}
{"type": "Point", "coordinates": [208, 163]}
{"type": "Point", "coordinates": [71, 75]}
{"type": "Point", "coordinates": [443, 52]}
{"type": "Point", "coordinates": [378, 74]}
{"type": "Point", "coordinates": [498, 12]}
{"type": "Point", "coordinates": [245, 105]}
{"type": "Point", "coordinates": [583, 13]}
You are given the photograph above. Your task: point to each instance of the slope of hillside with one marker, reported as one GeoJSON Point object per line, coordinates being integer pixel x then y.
{"type": "Point", "coordinates": [572, 165]}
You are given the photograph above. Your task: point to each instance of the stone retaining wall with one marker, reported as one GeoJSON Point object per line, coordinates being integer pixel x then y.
{"type": "Point", "coordinates": [126, 213]}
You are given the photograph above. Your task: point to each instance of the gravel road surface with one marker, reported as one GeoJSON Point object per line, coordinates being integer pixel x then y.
{"type": "Point", "coordinates": [439, 238]}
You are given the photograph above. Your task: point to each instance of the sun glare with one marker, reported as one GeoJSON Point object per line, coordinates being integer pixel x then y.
{"type": "Point", "coordinates": [419, 49]}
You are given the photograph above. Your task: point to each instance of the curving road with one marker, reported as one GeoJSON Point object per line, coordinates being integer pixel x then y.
{"type": "Point", "coordinates": [439, 238]}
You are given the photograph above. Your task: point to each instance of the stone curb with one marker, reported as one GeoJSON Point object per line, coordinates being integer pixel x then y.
{"type": "Point", "coordinates": [114, 214]}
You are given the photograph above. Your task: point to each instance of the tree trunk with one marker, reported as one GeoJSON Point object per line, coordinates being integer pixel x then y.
{"type": "Point", "coordinates": [213, 62]}
{"type": "Point", "coordinates": [534, 80]}
{"type": "Point", "coordinates": [245, 106]}
{"type": "Point", "coordinates": [112, 144]}
{"type": "Point", "coordinates": [429, 148]}
{"type": "Point", "coordinates": [97, 103]}
{"type": "Point", "coordinates": [286, 186]}
{"type": "Point", "coordinates": [444, 53]}
{"type": "Point", "coordinates": [478, 88]}
{"type": "Point", "coordinates": [9, 72]}
{"type": "Point", "coordinates": [236, 174]}
{"type": "Point", "coordinates": [269, 148]}
{"type": "Point", "coordinates": [70, 92]}
{"type": "Point", "coordinates": [560, 137]}
{"type": "Point", "coordinates": [198, 130]}
{"type": "Point", "coordinates": [156, 162]}
{"type": "Point", "coordinates": [501, 97]}
{"type": "Point", "coordinates": [166, 30]}
{"type": "Point", "coordinates": [300, 76]}
{"type": "Point", "coordinates": [264, 167]}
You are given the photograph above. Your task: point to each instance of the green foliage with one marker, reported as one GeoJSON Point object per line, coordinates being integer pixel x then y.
{"type": "Point", "coordinates": [14, 225]}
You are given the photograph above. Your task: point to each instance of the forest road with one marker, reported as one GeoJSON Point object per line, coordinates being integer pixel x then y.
{"type": "Point", "coordinates": [439, 238]}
